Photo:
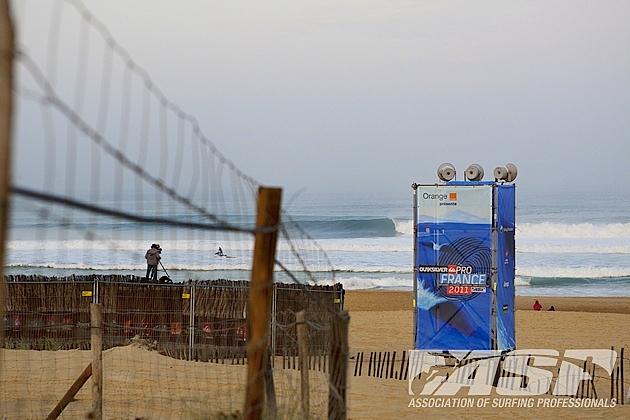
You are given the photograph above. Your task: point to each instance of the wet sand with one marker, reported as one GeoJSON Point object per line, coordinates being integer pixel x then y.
{"type": "Point", "coordinates": [372, 300]}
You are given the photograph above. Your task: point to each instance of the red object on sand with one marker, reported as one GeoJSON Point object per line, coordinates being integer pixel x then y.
{"type": "Point", "coordinates": [537, 306]}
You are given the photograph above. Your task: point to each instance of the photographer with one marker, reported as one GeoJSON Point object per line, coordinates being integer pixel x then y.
{"type": "Point", "coordinates": [153, 258]}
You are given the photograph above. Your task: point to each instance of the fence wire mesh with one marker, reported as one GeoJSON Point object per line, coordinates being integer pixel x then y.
{"type": "Point", "coordinates": [105, 166]}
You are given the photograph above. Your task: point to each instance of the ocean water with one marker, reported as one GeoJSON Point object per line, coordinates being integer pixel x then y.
{"type": "Point", "coordinates": [567, 244]}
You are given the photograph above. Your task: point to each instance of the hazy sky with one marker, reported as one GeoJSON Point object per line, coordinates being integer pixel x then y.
{"type": "Point", "coordinates": [371, 95]}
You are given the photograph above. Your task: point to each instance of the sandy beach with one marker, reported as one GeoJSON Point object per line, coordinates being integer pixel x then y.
{"type": "Point", "coordinates": [376, 300]}
{"type": "Point", "coordinates": [380, 321]}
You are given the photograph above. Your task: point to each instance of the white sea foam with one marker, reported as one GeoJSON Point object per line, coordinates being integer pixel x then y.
{"type": "Point", "coordinates": [374, 283]}
{"type": "Point", "coordinates": [552, 230]}
{"type": "Point", "coordinates": [403, 226]}
{"type": "Point", "coordinates": [522, 281]}
{"type": "Point", "coordinates": [572, 248]}
{"type": "Point", "coordinates": [530, 237]}
{"type": "Point", "coordinates": [524, 274]}
{"type": "Point", "coordinates": [573, 272]}
{"type": "Point", "coordinates": [573, 231]}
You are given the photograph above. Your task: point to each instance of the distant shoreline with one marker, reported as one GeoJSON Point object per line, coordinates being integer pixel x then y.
{"type": "Point", "coordinates": [396, 300]}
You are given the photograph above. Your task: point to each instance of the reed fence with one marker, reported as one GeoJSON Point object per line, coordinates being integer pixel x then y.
{"type": "Point", "coordinates": [196, 320]}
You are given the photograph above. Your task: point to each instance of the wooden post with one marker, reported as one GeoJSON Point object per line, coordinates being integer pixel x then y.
{"type": "Point", "coordinates": [69, 395]}
{"type": "Point", "coordinates": [270, 389]}
{"type": "Point", "coordinates": [594, 393]}
{"type": "Point", "coordinates": [617, 385]}
{"type": "Point", "coordinates": [259, 299]}
{"type": "Point", "coordinates": [582, 383]}
{"type": "Point", "coordinates": [302, 336]}
{"type": "Point", "coordinates": [391, 372]}
{"type": "Point", "coordinates": [361, 365]}
{"type": "Point", "coordinates": [587, 394]}
{"type": "Point", "coordinates": [7, 47]}
{"type": "Point", "coordinates": [96, 341]}
{"type": "Point", "coordinates": [338, 367]}
{"type": "Point", "coordinates": [623, 395]}
{"type": "Point", "coordinates": [402, 366]}
{"type": "Point", "coordinates": [612, 380]}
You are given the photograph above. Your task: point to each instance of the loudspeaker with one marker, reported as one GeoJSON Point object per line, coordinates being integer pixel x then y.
{"type": "Point", "coordinates": [446, 172]}
{"type": "Point", "coordinates": [512, 172]}
{"type": "Point", "coordinates": [500, 173]}
{"type": "Point", "coordinates": [474, 172]}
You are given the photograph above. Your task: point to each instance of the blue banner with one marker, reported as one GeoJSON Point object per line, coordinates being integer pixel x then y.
{"type": "Point", "coordinates": [453, 268]}
{"type": "Point", "coordinates": [506, 225]}
{"type": "Point", "coordinates": [455, 294]}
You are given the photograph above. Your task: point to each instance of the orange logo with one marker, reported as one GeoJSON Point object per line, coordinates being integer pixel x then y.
{"type": "Point", "coordinates": [452, 196]}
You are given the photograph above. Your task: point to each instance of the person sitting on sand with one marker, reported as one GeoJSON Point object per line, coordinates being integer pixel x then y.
{"type": "Point", "coordinates": [537, 306]}
{"type": "Point", "coordinates": [153, 258]}
{"type": "Point", "coordinates": [551, 308]}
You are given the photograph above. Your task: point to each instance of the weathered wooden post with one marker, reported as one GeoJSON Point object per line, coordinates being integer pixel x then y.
{"type": "Point", "coordinates": [96, 341]}
{"type": "Point", "coordinates": [71, 393]}
{"type": "Point", "coordinates": [259, 299]}
{"type": "Point", "coordinates": [302, 336]}
{"type": "Point", "coordinates": [617, 377]}
{"type": "Point", "coordinates": [621, 361]}
{"type": "Point", "coordinates": [338, 367]}
{"type": "Point", "coordinates": [6, 119]}
{"type": "Point", "coordinates": [594, 393]}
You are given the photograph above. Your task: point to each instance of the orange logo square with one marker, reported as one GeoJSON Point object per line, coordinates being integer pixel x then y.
{"type": "Point", "coordinates": [452, 196]}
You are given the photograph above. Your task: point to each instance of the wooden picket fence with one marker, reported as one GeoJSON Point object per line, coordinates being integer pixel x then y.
{"type": "Point", "coordinates": [395, 365]}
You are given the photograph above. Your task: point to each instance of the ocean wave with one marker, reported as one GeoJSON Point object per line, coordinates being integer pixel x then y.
{"type": "Point", "coordinates": [571, 248]}
{"type": "Point", "coordinates": [133, 267]}
{"type": "Point", "coordinates": [522, 281]}
{"type": "Point", "coordinates": [352, 228]}
{"type": "Point", "coordinates": [386, 227]}
{"type": "Point", "coordinates": [573, 230]}
{"type": "Point", "coordinates": [128, 245]}
{"type": "Point", "coordinates": [403, 226]}
{"type": "Point", "coordinates": [332, 246]}
{"type": "Point", "coordinates": [373, 269]}
{"type": "Point", "coordinates": [207, 267]}
{"type": "Point", "coordinates": [210, 246]}
{"type": "Point", "coordinates": [523, 274]}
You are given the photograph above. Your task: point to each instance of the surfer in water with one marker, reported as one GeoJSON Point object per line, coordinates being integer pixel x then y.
{"type": "Point", "coordinates": [219, 253]}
